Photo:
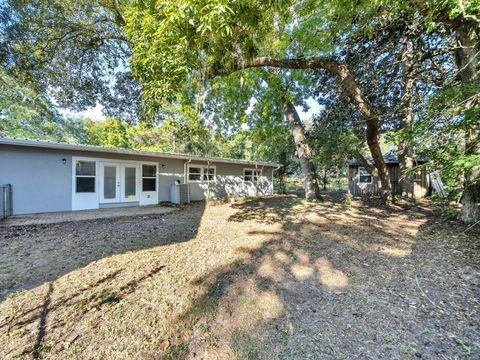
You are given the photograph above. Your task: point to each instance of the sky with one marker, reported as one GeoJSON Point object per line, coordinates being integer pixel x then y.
{"type": "Point", "coordinates": [95, 113]}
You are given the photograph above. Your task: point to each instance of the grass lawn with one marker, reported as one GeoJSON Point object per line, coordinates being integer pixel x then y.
{"type": "Point", "coordinates": [266, 278]}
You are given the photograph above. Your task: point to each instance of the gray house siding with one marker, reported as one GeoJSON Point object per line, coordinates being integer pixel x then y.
{"type": "Point", "coordinates": [43, 183]}
{"type": "Point", "coordinates": [170, 170]}
{"type": "Point", "coordinates": [40, 181]}
{"type": "Point", "coordinates": [229, 179]}
{"type": "Point", "coordinates": [421, 182]}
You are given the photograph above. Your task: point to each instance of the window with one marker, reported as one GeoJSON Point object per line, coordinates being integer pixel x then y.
{"type": "Point", "coordinates": [198, 173]}
{"type": "Point", "coordinates": [364, 177]}
{"type": "Point", "coordinates": [208, 174]}
{"type": "Point", "coordinates": [194, 173]}
{"type": "Point", "coordinates": [251, 175]}
{"type": "Point", "coordinates": [149, 177]}
{"type": "Point", "coordinates": [84, 176]}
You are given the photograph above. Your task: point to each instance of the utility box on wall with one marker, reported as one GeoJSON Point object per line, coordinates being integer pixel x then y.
{"type": "Point", "coordinates": [179, 193]}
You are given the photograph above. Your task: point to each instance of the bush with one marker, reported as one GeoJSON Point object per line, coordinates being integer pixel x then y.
{"type": "Point", "coordinates": [347, 200]}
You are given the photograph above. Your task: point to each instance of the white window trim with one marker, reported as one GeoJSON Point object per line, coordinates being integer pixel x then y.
{"type": "Point", "coordinates": [75, 176]}
{"type": "Point", "coordinates": [149, 177]}
{"type": "Point", "coordinates": [98, 160]}
{"type": "Point", "coordinates": [83, 201]}
{"type": "Point", "coordinates": [203, 171]}
{"type": "Point", "coordinates": [253, 175]}
{"type": "Point", "coordinates": [367, 174]}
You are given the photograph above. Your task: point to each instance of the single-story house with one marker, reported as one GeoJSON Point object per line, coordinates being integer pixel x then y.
{"type": "Point", "coordinates": [50, 176]}
{"type": "Point", "coordinates": [361, 182]}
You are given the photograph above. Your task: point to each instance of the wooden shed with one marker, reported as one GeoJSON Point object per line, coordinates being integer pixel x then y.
{"type": "Point", "coordinates": [361, 182]}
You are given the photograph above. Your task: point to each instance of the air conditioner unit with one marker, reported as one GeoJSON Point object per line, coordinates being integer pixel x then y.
{"type": "Point", "coordinates": [179, 193]}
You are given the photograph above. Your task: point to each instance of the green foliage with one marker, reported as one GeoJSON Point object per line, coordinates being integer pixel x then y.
{"type": "Point", "coordinates": [440, 134]}
{"type": "Point", "coordinates": [347, 200]}
{"type": "Point", "coordinates": [25, 113]}
{"type": "Point", "coordinates": [77, 54]}
{"type": "Point", "coordinates": [74, 52]}
{"type": "Point", "coordinates": [333, 144]}
{"type": "Point", "coordinates": [448, 212]}
{"type": "Point", "coordinates": [109, 133]}
{"type": "Point", "coordinates": [175, 41]}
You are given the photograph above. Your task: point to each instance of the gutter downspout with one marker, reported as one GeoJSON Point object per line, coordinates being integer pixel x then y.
{"type": "Point", "coordinates": [185, 170]}
{"type": "Point", "coordinates": [185, 176]}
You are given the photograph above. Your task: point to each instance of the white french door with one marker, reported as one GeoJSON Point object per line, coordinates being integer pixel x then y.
{"type": "Point", "coordinates": [130, 182]}
{"type": "Point", "coordinates": [119, 182]}
{"type": "Point", "coordinates": [110, 184]}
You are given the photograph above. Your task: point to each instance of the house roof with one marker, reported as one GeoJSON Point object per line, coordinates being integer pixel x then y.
{"type": "Point", "coordinates": [91, 148]}
{"type": "Point", "coordinates": [390, 158]}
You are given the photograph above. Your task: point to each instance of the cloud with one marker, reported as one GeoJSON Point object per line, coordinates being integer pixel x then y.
{"type": "Point", "coordinates": [94, 113]}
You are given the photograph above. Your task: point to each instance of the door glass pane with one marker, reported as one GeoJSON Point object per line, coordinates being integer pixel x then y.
{"type": "Point", "coordinates": [85, 184]}
{"type": "Point", "coordinates": [148, 184]}
{"type": "Point", "coordinates": [130, 182]}
{"type": "Point", "coordinates": [109, 182]}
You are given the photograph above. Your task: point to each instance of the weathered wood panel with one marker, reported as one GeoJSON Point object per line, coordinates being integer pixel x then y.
{"type": "Point", "coordinates": [361, 189]}
{"type": "Point", "coordinates": [421, 182]}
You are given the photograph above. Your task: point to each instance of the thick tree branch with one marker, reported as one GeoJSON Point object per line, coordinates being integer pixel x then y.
{"type": "Point", "coordinates": [349, 85]}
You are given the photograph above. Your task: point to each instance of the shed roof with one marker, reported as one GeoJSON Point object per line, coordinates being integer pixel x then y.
{"type": "Point", "coordinates": [390, 158]}
{"type": "Point", "coordinates": [102, 149]}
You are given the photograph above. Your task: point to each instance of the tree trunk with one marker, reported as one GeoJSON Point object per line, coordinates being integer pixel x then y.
{"type": "Point", "coordinates": [324, 179]}
{"type": "Point", "coordinates": [406, 162]}
{"type": "Point", "coordinates": [468, 61]}
{"type": "Point", "coordinates": [405, 154]}
{"type": "Point", "coordinates": [282, 184]}
{"type": "Point", "coordinates": [373, 126]}
{"type": "Point", "coordinates": [353, 91]}
{"type": "Point", "coordinates": [302, 149]}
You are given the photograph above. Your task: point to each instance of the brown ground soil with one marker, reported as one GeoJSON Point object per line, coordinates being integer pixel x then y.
{"type": "Point", "coordinates": [267, 278]}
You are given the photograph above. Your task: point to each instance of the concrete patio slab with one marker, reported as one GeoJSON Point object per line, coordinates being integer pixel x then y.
{"type": "Point", "coordinates": [59, 217]}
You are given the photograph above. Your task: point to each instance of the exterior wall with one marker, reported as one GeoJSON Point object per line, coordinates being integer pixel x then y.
{"type": "Point", "coordinates": [169, 171]}
{"type": "Point", "coordinates": [42, 183]}
{"type": "Point", "coordinates": [229, 179]}
{"type": "Point", "coordinates": [421, 186]}
{"type": "Point", "coordinates": [360, 189]}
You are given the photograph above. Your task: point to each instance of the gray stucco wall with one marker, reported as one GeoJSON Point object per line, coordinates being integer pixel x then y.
{"type": "Point", "coordinates": [42, 183]}
{"type": "Point", "coordinates": [229, 179]}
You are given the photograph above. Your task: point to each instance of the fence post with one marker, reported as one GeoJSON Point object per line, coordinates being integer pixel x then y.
{"type": "Point", "coordinates": [10, 200]}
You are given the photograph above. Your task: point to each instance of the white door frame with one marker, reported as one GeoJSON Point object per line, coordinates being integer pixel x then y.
{"type": "Point", "coordinates": [102, 166]}
{"type": "Point", "coordinates": [84, 201]}
{"type": "Point", "coordinates": [123, 198]}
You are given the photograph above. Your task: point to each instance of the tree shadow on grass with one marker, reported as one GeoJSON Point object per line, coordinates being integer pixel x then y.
{"type": "Point", "coordinates": [101, 295]}
{"type": "Point", "coordinates": [295, 280]}
{"type": "Point", "coordinates": [327, 285]}
{"type": "Point", "coordinates": [42, 322]}
{"type": "Point", "coordinates": [33, 255]}
{"type": "Point", "coordinates": [66, 277]}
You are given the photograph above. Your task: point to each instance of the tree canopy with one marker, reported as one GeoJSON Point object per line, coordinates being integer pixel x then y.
{"type": "Point", "coordinates": [227, 77]}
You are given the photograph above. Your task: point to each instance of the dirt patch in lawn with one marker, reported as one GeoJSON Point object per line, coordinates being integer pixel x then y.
{"type": "Point", "coordinates": [265, 278]}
